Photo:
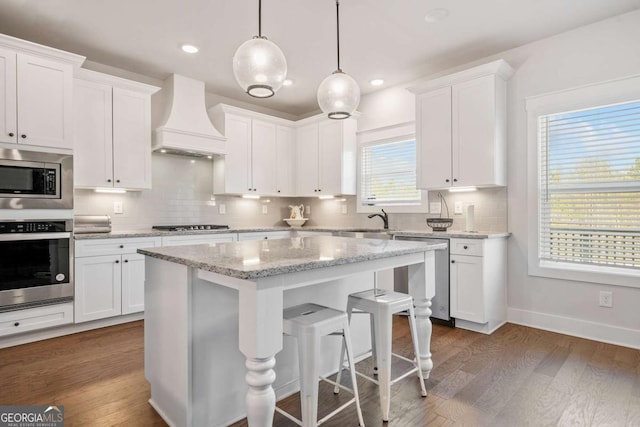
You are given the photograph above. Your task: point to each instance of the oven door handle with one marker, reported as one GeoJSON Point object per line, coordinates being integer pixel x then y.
{"type": "Point", "coordinates": [33, 236]}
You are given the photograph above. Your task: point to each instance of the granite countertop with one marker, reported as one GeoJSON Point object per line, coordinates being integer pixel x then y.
{"type": "Point", "coordinates": [330, 229]}
{"type": "Point", "coordinates": [263, 258]}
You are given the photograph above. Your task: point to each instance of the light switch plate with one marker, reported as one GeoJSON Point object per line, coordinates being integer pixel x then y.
{"type": "Point", "coordinates": [435, 207]}
{"type": "Point", "coordinates": [344, 209]}
{"type": "Point", "coordinates": [307, 210]}
{"type": "Point", "coordinates": [118, 208]}
{"type": "Point", "coordinates": [264, 209]}
{"type": "Point", "coordinates": [458, 207]}
{"type": "Point", "coordinates": [222, 209]}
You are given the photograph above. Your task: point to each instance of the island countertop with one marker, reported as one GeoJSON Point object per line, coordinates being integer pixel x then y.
{"type": "Point", "coordinates": [264, 258]}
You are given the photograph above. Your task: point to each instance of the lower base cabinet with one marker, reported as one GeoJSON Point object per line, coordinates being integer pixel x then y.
{"type": "Point", "coordinates": [109, 277]}
{"type": "Point", "coordinates": [31, 319]}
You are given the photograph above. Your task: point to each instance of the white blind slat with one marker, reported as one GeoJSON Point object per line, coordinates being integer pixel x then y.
{"type": "Point", "coordinates": [589, 186]}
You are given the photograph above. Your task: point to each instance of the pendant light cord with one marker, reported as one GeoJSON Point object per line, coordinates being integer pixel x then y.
{"type": "Point", "coordinates": [338, 30]}
{"type": "Point", "coordinates": [260, 18]}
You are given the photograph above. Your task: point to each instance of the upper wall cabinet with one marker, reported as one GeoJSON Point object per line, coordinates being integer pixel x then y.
{"type": "Point", "coordinates": [112, 132]}
{"type": "Point", "coordinates": [325, 157]}
{"type": "Point", "coordinates": [259, 153]}
{"type": "Point", "coordinates": [36, 94]}
{"type": "Point", "coordinates": [461, 128]}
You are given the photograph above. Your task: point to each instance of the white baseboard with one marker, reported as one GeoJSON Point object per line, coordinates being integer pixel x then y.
{"type": "Point", "coordinates": [58, 331]}
{"type": "Point", "coordinates": [576, 327]}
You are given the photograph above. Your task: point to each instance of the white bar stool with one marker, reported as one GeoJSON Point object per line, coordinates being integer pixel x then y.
{"type": "Point", "coordinates": [381, 305]}
{"type": "Point", "coordinates": [308, 323]}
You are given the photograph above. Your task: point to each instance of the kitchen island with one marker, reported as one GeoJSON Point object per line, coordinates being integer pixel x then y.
{"type": "Point", "coordinates": [213, 318]}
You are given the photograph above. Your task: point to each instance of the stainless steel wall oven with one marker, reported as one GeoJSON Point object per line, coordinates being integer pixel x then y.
{"type": "Point", "coordinates": [35, 180]}
{"type": "Point", "coordinates": [35, 263]}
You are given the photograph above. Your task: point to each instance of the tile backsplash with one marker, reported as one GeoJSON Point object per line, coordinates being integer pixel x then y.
{"type": "Point", "coordinates": [182, 194]}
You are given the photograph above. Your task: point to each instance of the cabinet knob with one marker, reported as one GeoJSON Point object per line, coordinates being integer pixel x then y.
{"type": "Point", "coordinates": [319, 189]}
{"type": "Point", "coordinates": [108, 180]}
{"type": "Point", "coordinates": [126, 260]}
{"type": "Point", "coordinates": [446, 180]}
{"type": "Point", "coordinates": [315, 191]}
{"type": "Point", "coordinates": [121, 246]}
{"type": "Point", "coordinates": [11, 134]}
{"type": "Point", "coordinates": [117, 261]}
{"type": "Point", "coordinates": [278, 191]}
{"type": "Point", "coordinates": [466, 247]}
{"type": "Point", "coordinates": [455, 179]}
{"type": "Point", "coordinates": [117, 180]}
{"type": "Point", "coordinates": [23, 136]}
{"type": "Point", "coordinates": [16, 324]}
{"type": "Point", "coordinates": [453, 261]}
{"type": "Point", "coordinates": [265, 237]}
{"type": "Point", "coordinates": [249, 189]}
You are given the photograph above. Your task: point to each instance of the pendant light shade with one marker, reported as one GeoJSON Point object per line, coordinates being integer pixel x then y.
{"type": "Point", "coordinates": [338, 94]}
{"type": "Point", "coordinates": [259, 65]}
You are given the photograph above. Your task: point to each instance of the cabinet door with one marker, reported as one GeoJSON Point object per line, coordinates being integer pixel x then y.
{"type": "Point", "coordinates": [330, 157]}
{"type": "Point", "coordinates": [8, 121]}
{"type": "Point", "coordinates": [263, 157]}
{"type": "Point", "coordinates": [467, 291]}
{"type": "Point", "coordinates": [237, 162]}
{"type": "Point", "coordinates": [285, 145]}
{"type": "Point", "coordinates": [270, 235]}
{"type": "Point", "coordinates": [131, 139]}
{"type": "Point", "coordinates": [97, 288]}
{"type": "Point", "coordinates": [474, 124]}
{"type": "Point", "coordinates": [45, 97]}
{"type": "Point", "coordinates": [93, 149]}
{"type": "Point", "coordinates": [307, 160]}
{"type": "Point", "coordinates": [132, 283]}
{"type": "Point", "coordinates": [433, 145]}
{"type": "Point", "coordinates": [197, 239]}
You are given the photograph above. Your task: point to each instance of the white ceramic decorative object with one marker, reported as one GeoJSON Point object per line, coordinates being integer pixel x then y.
{"type": "Point", "coordinates": [297, 212]}
{"type": "Point", "coordinates": [295, 223]}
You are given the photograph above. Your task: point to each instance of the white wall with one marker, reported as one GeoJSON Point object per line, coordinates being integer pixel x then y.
{"type": "Point", "coordinates": [594, 53]}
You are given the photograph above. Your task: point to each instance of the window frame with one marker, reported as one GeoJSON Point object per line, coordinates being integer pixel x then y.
{"type": "Point", "coordinates": [621, 90]}
{"type": "Point", "coordinates": [394, 133]}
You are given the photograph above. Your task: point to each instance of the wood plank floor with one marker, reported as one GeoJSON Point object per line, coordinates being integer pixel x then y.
{"type": "Point", "coordinates": [516, 377]}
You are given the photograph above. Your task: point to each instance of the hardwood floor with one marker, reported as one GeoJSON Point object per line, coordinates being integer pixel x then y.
{"type": "Point", "coordinates": [516, 377]}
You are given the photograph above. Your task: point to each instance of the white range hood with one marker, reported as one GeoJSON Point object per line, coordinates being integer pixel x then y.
{"type": "Point", "coordinates": [186, 127]}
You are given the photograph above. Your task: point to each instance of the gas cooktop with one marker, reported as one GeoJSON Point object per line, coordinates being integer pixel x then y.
{"type": "Point", "coordinates": [194, 227]}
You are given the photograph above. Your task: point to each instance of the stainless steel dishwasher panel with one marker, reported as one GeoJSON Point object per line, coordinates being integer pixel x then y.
{"type": "Point", "coordinates": [441, 302]}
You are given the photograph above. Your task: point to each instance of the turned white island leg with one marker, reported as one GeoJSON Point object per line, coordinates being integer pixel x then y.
{"type": "Point", "coordinates": [422, 286]}
{"type": "Point", "coordinates": [260, 340]}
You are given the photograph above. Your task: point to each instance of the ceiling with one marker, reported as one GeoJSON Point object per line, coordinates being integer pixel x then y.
{"type": "Point", "coordinates": [379, 38]}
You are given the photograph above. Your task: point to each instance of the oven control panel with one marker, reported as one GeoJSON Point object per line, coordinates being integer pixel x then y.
{"type": "Point", "coordinates": [33, 227]}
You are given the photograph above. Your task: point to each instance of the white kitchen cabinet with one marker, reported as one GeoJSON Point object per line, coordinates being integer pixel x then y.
{"type": "Point", "coordinates": [461, 128]}
{"type": "Point", "coordinates": [478, 283]}
{"type": "Point", "coordinates": [36, 94]}
{"type": "Point", "coordinates": [325, 157]}
{"type": "Point", "coordinates": [109, 277]}
{"type": "Point", "coordinates": [253, 163]}
{"type": "Point", "coordinates": [31, 319]}
{"type": "Point", "coordinates": [198, 239]}
{"type": "Point", "coordinates": [113, 120]}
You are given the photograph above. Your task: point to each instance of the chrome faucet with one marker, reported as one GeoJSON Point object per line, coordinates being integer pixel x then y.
{"type": "Point", "coordinates": [384, 217]}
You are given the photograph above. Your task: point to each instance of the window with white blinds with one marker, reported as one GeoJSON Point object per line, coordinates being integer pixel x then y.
{"type": "Point", "coordinates": [388, 174]}
{"type": "Point", "coordinates": [589, 186]}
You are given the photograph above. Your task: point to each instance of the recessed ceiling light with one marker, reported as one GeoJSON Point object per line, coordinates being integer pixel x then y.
{"type": "Point", "coordinates": [377, 82]}
{"type": "Point", "coordinates": [189, 48]}
{"type": "Point", "coordinates": [436, 15]}
{"type": "Point", "coordinates": [287, 82]}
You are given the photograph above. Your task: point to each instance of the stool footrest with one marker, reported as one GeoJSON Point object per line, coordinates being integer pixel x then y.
{"type": "Point", "coordinates": [405, 375]}
{"type": "Point", "coordinates": [412, 361]}
{"type": "Point", "coordinates": [373, 380]}
{"type": "Point", "coordinates": [289, 416]}
{"type": "Point", "coordinates": [336, 411]}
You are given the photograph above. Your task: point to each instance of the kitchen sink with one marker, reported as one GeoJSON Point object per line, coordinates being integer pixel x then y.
{"type": "Point", "coordinates": [366, 234]}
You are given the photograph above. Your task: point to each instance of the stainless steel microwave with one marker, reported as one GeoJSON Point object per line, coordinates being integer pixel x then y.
{"type": "Point", "coordinates": [35, 180]}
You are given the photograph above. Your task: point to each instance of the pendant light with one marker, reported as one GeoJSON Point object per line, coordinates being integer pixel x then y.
{"type": "Point", "coordinates": [338, 94]}
{"type": "Point", "coordinates": [259, 65]}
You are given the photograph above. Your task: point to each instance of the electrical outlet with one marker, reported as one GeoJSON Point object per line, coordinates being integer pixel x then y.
{"type": "Point", "coordinates": [606, 299]}
{"type": "Point", "coordinates": [118, 207]}
{"type": "Point", "coordinates": [307, 210]}
{"type": "Point", "coordinates": [222, 209]}
{"type": "Point", "coordinates": [264, 209]}
{"type": "Point", "coordinates": [457, 207]}
{"type": "Point", "coordinates": [344, 209]}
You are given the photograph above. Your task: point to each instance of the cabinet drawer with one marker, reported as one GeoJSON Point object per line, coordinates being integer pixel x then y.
{"type": "Point", "coordinates": [264, 235]}
{"type": "Point", "coordinates": [467, 247]}
{"type": "Point", "coordinates": [198, 239]}
{"type": "Point", "coordinates": [99, 247]}
{"type": "Point", "coordinates": [15, 322]}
